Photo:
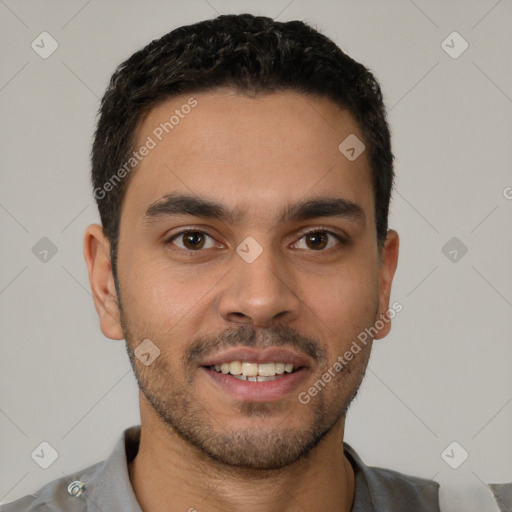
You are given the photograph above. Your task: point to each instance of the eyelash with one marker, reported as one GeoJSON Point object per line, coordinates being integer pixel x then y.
{"type": "Point", "coordinates": [342, 240]}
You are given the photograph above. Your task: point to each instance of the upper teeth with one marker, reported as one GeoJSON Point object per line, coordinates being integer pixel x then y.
{"type": "Point", "coordinates": [254, 369]}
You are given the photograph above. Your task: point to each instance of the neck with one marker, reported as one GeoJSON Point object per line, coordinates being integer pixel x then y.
{"type": "Point", "coordinates": [168, 474]}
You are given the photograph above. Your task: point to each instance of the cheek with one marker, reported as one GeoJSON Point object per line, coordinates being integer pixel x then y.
{"type": "Point", "coordinates": [163, 298]}
{"type": "Point", "coordinates": [342, 305]}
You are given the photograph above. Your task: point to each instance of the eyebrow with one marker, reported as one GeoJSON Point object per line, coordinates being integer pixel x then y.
{"type": "Point", "coordinates": [175, 204]}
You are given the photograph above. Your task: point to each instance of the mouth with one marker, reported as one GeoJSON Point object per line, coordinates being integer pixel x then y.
{"type": "Point", "coordinates": [254, 372]}
{"type": "Point", "coordinates": [253, 375]}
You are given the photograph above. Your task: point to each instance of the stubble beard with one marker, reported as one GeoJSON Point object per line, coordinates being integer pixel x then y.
{"type": "Point", "coordinates": [265, 449]}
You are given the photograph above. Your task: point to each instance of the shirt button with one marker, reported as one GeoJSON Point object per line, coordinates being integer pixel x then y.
{"type": "Point", "coordinates": [76, 488]}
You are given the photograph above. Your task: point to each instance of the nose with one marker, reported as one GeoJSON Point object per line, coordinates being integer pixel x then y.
{"type": "Point", "coordinates": [259, 293]}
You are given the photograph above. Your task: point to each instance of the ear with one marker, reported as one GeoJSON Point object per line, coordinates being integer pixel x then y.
{"type": "Point", "coordinates": [387, 267]}
{"type": "Point", "coordinates": [101, 280]}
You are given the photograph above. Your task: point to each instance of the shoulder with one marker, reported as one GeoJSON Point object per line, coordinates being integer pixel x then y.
{"type": "Point", "coordinates": [390, 490]}
{"type": "Point", "coordinates": [395, 487]}
{"type": "Point", "coordinates": [106, 483]}
{"type": "Point", "coordinates": [55, 496]}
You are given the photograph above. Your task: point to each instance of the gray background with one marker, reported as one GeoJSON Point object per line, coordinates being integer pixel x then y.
{"type": "Point", "coordinates": [443, 374]}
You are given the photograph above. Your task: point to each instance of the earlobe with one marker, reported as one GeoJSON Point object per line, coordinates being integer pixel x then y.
{"type": "Point", "coordinates": [388, 263]}
{"type": "Point", "coordinates": [101, 280]}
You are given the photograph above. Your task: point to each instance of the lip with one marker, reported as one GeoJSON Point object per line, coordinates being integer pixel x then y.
{"type": "Point", "coordinates": [267, 391]}
{"type": "Point", "coordinates": [251, 355]}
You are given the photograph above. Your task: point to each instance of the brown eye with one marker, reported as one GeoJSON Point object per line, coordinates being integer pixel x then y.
{"type": "Point", "coordinates": [318, 240]}
{"type": "Point", "coordinates": [192, 240]}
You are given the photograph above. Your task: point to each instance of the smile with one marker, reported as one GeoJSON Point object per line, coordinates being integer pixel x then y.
{"type": "Point", "coordinates": [253, 372]}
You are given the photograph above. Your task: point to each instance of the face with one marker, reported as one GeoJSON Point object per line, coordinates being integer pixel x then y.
{"type": "Point", "coordinates": [248, 246]}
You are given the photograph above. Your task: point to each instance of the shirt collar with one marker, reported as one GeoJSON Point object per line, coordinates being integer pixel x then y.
{"type": "Point", "coordinates": [108, 485]}
{"type": "Point", "coordinates": [110, 482]}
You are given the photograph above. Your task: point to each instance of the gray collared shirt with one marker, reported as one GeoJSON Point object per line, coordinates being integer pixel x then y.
{"type": "Point", "coordinates": [106, 486]}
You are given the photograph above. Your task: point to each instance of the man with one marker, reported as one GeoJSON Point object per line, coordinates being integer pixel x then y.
{"type": "Point", "coordinates": [243, 171]}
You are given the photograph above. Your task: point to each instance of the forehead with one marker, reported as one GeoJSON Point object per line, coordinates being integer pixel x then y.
{"type": "Point", "coordinates": [247, 153]}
